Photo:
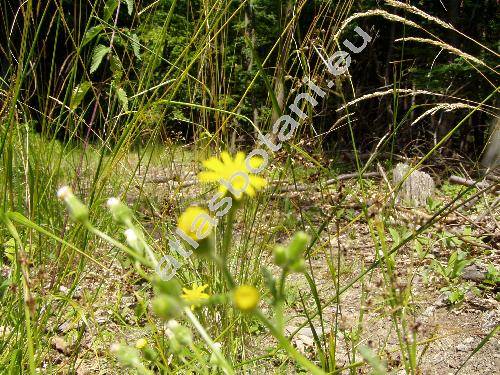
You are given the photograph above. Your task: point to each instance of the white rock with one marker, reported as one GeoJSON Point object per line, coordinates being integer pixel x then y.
{"type": "Point", "coordinates": [416, 188]}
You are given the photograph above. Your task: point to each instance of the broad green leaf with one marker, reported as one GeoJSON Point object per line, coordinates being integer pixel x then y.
{"type": "Point", "coordinates": [79, 93]}
{"type": "Point", "coordinates": [130, 6]}
{"type": "Point", "coordinates": [122, 98]}
{"type": "Point", "coordinates": [91, 34]}
{"type": "Point", "coordinates": [109, 9]}
{"type": "Point", "coordinates": [135, 46]}
{"type": "Point", "coordinates": [99, 52]}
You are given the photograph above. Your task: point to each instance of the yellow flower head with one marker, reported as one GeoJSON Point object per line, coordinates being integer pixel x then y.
{"type": "Point", "coordinates": [195, 295]}
{"type": "Point", "coordinates": [195, 222]}
{"type": "Point", "coordinates": [233, 174]}
{"type": "Point", "coordinates": [141, 343]}
{"type": "Point", "coordinates": [246, 297]}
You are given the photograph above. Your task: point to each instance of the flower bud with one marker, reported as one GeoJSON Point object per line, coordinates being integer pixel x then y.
{"type": "Point", "coordinates": [246, 297]}
{"type": "Point", "coordinates": [298, 265]}
{"type": "Point", "coordinates": [64, 192]}
{"type": "Point", "coordinates": [150, 354]}
{"type": "Point", "coordinates": [141, 343]}
{"type": "Point", "coordinates": [166, 307]}
{"type": "Point", "coordinates": [171, 287]}
{"type": "Point", "coordinates": [297, 245]}
{"type": "Point", "coordinates": [121, 213]}
{"type": "Point", "coordinates": [182, 334]}
{"type": "Point", "coordinates": [280, 256]}
{"type": "Point", "coordinates": [126, 355]}
{"type": "Point", "coordinates": [78, 211]}
{"type": "Point", "coordinates": [133, 240]}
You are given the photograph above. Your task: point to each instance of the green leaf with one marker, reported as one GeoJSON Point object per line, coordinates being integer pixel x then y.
{"type": "Point", "coordinates": [135, 46]}
{"type": "Point", "coordinates": [91, 34]}
{"type": "Point", "coordinates": [130, 6]}
{"type": "Point", "coordinates": [456, 296]}
{"type": "Point", "coordinates": [109, 9]}
{"type": "Point", "coordinates": [122, 98]}
{"type": "Point", "coordinates": [10, 249]}
{"type": "Point", "coordinates": [99, 52]}
{"type": "Point", "coordinates": [395, 236]}
{"type": "Point", "coordinates": [79, 93]}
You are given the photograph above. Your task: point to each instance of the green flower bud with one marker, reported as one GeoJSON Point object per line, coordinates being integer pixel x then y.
{"type": "Point", "coordinates": [121, 213]}
{"type": "Point", "coordinates": [297, 245]}
{"type": "Point", "coordinates": [298, 265]}
{"type": "Point", "coordinates": [126, 355]}
{"type": "Point", "coordinates": [175, 346]}
{"type": "Point", "coordinates": [78, 211]}
{"type": "Point", "coordinates": [280, 255]}
{"type": "Point", "coordinates": [170, 287]}
{"type": "Point", "coordinates": [166, 307]}
{"type": "Point", "coordinates": [133, 240]}
{"type": "Point", "coordinates": [150, 354]}
{"type": "Point", "coordinates": [205, 247]}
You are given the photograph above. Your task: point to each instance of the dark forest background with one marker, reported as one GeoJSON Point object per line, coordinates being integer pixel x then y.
{"type": "Point", "coordinates": [86, 70]}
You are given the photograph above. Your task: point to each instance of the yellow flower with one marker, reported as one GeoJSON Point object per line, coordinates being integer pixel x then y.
{"type": "Point", "coordinates": [195, 295]}
{"type": "Point", "coordinates": [246, 297]}
{"type": "Point", "coordinates": [141, 343]}
{"type": "Point", "coordinates": [195, 222]}
{"type": "Point", "coordinates": [233, 174]}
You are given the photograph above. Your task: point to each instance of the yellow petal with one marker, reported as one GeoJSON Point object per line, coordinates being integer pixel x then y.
{"type": "Point", "coordinates": [208, 176]}
{"type": "Point", "coordinates": [239, 159]}
{"type": "Point", "coordinates": [257, 181]}
{"type": "Point", "coordinates": [256, 162]}
{"type": "Point", "coordinates": [250, 191]}
{"type": "Point", "coordinates": [226, 158]}
{"type": "Point", "coordinates": [214, 164]}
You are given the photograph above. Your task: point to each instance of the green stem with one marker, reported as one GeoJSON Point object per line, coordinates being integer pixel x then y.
{"type": "Point", "coordinates": [220, 357]}
{"type": "Point", "coordinates": [113, 242]}
{"type": "Point", "coordinates": [223, 267]}
{"type": "Point", "coordinates": [283, 341]}
{"type": "Point", "coordinates": [228, 232]}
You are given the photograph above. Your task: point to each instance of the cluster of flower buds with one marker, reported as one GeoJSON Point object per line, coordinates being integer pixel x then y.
{"type": "Point", "coordinates": [291, 257]}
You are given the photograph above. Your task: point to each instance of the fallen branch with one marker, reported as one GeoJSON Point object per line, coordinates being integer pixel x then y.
{"type": "Point", "coordinates": [289, 188]}
{"type": "Point", "coordinates": [468, 182]}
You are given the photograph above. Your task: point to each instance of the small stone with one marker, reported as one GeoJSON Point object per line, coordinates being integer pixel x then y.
{"type": "Point", "coordinates": [60, 344]}
{"type": "Point", "coordinates": [63, 289]}
{"type": "Point", "coordinates": [429, 311]}
{"type": "Point", "coordinates": [462, 348]}
{"type": "Point", "coordinates": [474, 273]}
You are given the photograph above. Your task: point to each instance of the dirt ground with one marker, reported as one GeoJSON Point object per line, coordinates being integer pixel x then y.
{"type": "Point", "coordinates": [448, 333]}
